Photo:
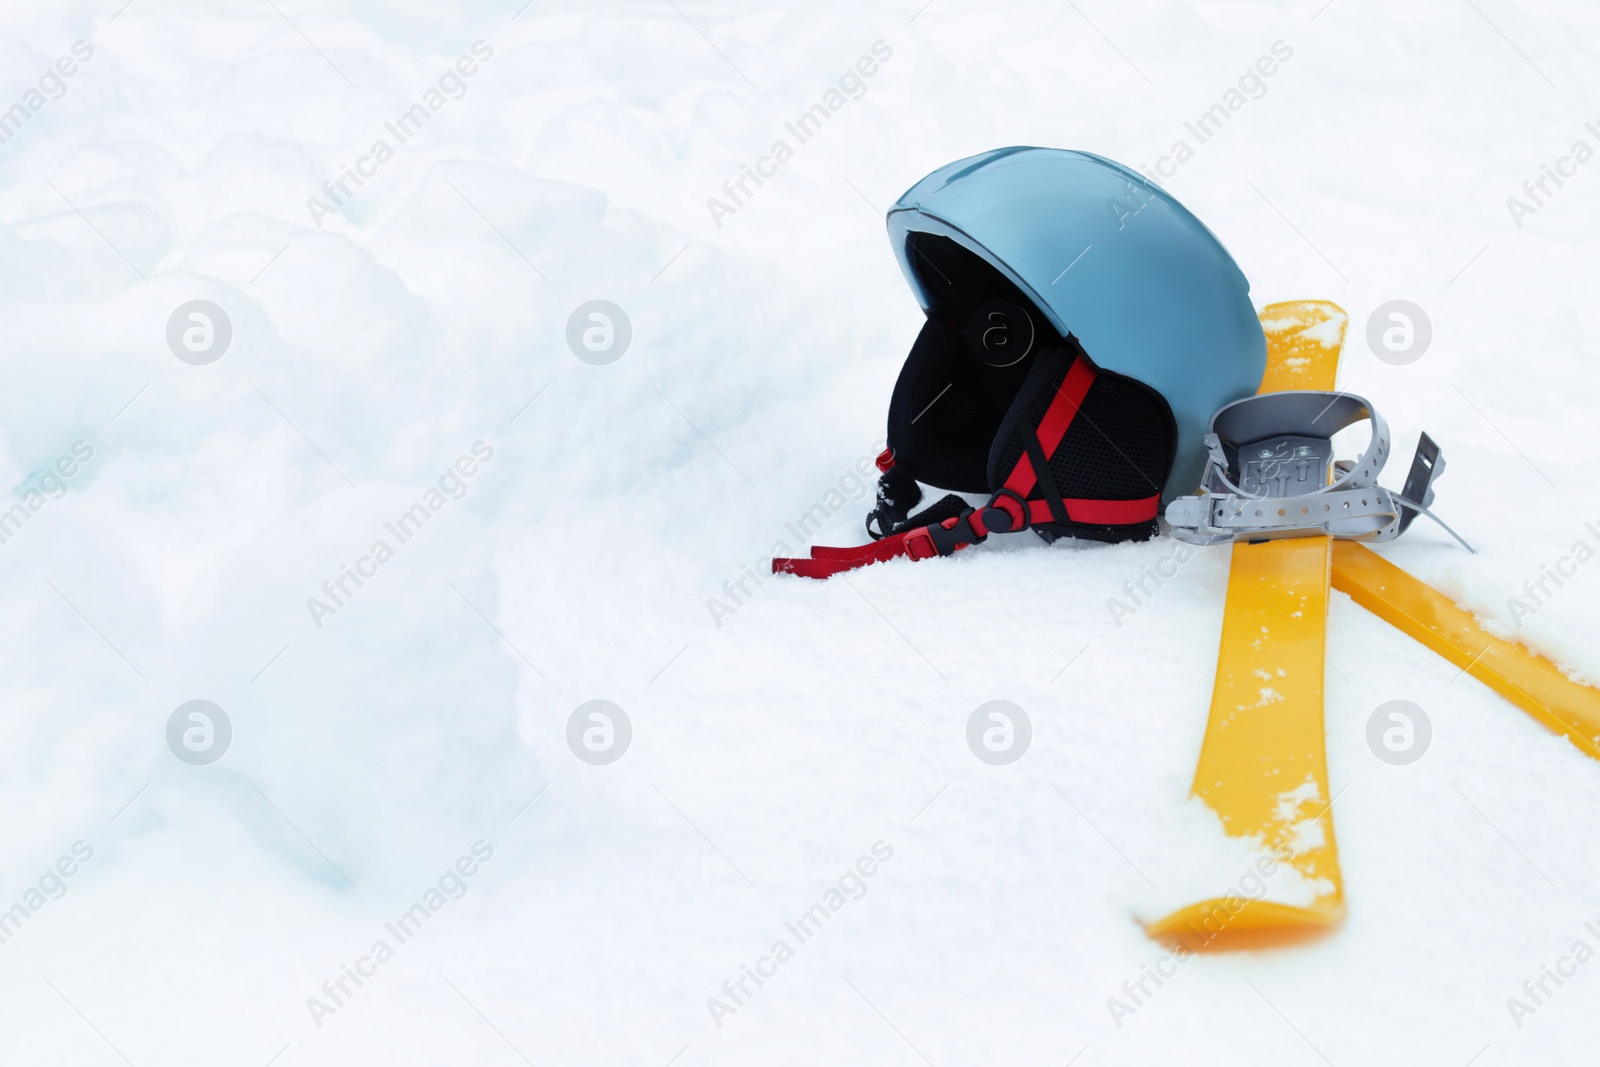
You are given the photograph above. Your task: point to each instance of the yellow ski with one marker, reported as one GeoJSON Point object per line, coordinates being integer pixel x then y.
{"type": "Point", "coordinates": [1523, 677]}
{"type": "Point", "coordinates": [1263, 765]}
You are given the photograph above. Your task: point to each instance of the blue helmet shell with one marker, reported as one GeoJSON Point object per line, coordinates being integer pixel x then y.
{"type": "Point", "coordinates": [1112, 259]}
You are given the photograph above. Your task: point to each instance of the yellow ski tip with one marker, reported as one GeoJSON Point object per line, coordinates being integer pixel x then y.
{"type": "Point", "coordinates": [1227, 924]}
{"type": "Point", "coordinates": [1304, 337]}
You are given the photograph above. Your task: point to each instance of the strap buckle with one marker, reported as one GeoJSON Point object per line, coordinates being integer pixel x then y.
{"type": "Point", "coordinates": [949, 535]}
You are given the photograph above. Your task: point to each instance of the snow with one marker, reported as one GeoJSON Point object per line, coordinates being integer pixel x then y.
{"type": "Point", "coordinates": [776, 745]}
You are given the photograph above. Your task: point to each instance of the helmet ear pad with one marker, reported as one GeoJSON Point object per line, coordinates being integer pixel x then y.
{"type": "Point", "coordinates": [1119, 446]}
{"type": "Point", "coordinates": [961, 424]}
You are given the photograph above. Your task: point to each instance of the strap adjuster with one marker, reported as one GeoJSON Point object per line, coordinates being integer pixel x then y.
{"type": "Point", "coordinates": [998, 518]}
{"type": "Point", "coordinates": [919, 544]}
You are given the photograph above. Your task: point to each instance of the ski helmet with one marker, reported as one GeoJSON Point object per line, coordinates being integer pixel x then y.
{"type": "Point", "coordinates": [1082, 327]}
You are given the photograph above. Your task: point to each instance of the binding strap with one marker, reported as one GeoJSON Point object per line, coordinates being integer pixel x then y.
{"type": "Point", "coordinates": [935, 531]}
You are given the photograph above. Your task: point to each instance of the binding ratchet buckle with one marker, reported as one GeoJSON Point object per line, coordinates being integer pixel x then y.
{"type": "Point", "coordinates": [1270, 473]}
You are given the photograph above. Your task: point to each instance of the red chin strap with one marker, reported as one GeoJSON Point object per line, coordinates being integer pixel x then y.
{"type": "Point", "coordinates": [1008, 511]}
